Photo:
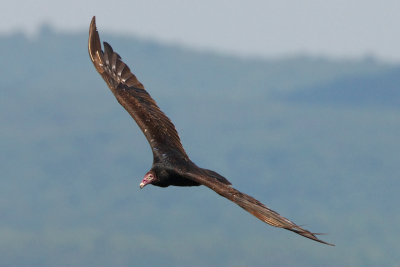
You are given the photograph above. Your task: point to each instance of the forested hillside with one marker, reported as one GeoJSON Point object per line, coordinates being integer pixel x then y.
{"type": "Point", "coordinates": [315, 139]}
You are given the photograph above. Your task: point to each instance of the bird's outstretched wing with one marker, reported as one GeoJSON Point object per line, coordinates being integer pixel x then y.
{"type": "Point", "coordinates": [252, 205]}
{"type": "Point", "coordinates": [130, 93]}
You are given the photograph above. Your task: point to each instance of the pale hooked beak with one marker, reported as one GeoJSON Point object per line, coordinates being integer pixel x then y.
{"type": "Point", "coordinates": [147, 179]}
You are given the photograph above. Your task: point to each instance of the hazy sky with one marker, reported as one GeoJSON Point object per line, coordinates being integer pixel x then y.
{"type": "Point", "coordinates": [340, 28]}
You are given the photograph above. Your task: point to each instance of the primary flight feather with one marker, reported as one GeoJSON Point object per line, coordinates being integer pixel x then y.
{"type": "Point", "coordinates": [171, 164]}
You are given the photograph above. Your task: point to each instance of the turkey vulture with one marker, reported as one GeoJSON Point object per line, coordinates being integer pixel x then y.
{"type": "Point", "coordinates": [171, 164]}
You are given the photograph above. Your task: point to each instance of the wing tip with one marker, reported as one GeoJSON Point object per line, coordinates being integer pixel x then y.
{"type": "Point", "coordinates": [92, 31]}
{"type": "Point", "coordinates": [93, 22]}
{"type": "Point", "coordinates": [94, 46]}
{"type": "Point", "coordinates": [94, 39]}
{"type": "Point", "coordinates": [310, 235]}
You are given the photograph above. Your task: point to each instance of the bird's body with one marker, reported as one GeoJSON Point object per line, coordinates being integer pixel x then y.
{"type": "Point", "coordinates": [171, 164]}
{"type": "Point", "coordinates": [167, 176]}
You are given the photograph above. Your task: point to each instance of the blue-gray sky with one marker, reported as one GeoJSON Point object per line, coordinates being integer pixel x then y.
{"type": "Point", "coordinates": [338, 28]}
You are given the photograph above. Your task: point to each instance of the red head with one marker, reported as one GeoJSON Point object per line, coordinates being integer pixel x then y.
{"type": "Point", "coordinates": [148, 179]}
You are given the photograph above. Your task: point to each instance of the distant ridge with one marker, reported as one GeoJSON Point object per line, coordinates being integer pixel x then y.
{"type": "Point", "coordinates": [378, 89]}
{"type": "Point", "coordinates": [68, 187]}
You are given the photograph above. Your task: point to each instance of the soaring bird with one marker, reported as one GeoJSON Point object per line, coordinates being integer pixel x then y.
{"type": "Point", "coordinates": [171, 164]}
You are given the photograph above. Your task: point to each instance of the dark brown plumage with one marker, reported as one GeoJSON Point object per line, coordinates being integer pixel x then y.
{"type": "Point", "coordinates": [171, 164]}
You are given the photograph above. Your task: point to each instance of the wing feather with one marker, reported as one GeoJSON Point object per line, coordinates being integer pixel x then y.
{"type": "Point", "coordinates": [252, 206]}
{"type": "Point", "coordinates": [131, 94]}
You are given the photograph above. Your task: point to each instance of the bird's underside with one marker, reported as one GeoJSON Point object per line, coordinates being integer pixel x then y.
{"type": "Point", "coordinates": [171, 165]}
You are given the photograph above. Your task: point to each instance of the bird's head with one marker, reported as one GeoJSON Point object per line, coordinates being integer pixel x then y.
{"type": "Point", "coordinates": [148, 178]}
